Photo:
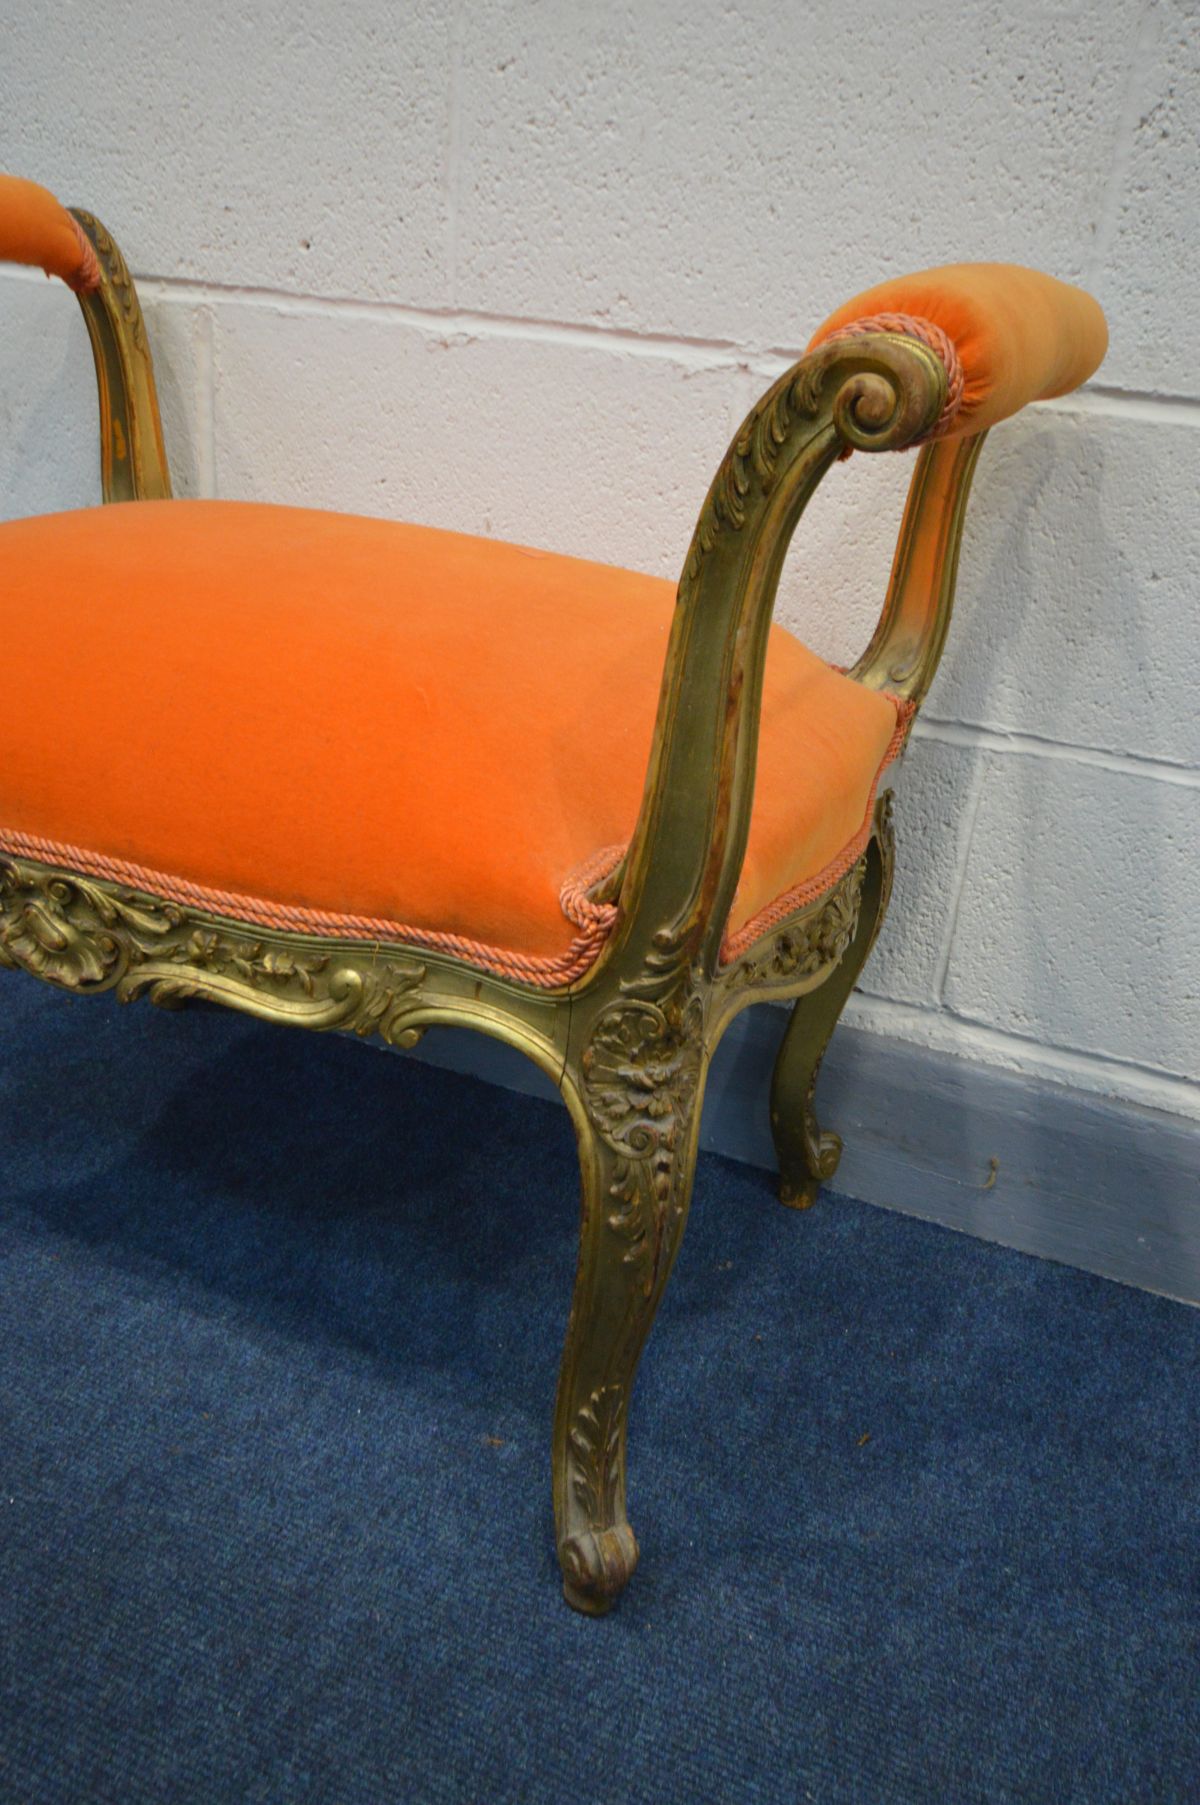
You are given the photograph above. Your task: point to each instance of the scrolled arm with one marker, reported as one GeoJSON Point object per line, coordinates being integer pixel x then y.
{"type": "Point", "coordinates": [1010, 336]}
{"type": "Point", "coordinates": [36, 229]}
{"type": "Point", "coordinates": [941, 355]}
{"type": "Point", "coordinates": [875, 393]}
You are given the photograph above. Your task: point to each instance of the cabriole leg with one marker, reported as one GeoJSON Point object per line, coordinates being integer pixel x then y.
{"type": "Point", "coordinates": [640, 1088]}
{"type": "Point", "coordinates": [808, 1157]}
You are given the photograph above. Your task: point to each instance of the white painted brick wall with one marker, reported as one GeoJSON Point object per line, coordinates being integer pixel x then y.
{"type": "Point", "coordinates": [568, 445]}
{"type": "Point", "coordinates": [519, 268]}
{"type": "Point", "coordinates": [1076, 872]}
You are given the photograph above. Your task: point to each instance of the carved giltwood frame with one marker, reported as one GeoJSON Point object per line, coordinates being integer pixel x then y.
{"type": "Point", "coordinates": [630, 1042]}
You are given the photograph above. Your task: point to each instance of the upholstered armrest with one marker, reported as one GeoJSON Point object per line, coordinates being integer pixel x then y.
{"type": "Point", "coordinates": [35, 229]}
{"type": "Point", "coordinates": [1008, 336]}
{"type": "Point", "coordinates": [1016, 335]}
{"type": "Point", "coordinates": [936, 359]}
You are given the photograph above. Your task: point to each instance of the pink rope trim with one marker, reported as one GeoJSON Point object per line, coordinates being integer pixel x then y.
{"type": "Point", "coordinates": [87, 277]}
{"type": "Point", "coordinates": [812, 887]}
{"type": "Point", "coordinates": [938, 342]}
{"type": "Point", "coordinates": [546, 971]}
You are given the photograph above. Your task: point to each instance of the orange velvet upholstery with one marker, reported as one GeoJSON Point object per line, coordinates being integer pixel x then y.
{"type": "Point", "coordinates": [37, 229]}
{"type": "Point", "coordinates": [379, 723]}
{"type": "Point", "coordinates": [1021, 336]}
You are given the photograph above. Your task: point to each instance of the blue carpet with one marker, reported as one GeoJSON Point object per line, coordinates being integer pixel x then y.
{"type": "Point", "coordinates": [279, 1330]}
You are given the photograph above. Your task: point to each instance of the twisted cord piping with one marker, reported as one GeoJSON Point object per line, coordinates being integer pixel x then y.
{"type": "Point", "coordinates": [546, 971]}
{"type": "Point", "coordinates": [86, 279]}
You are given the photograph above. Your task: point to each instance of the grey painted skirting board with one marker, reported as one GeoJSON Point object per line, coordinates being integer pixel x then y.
{"type": "Point", "coordinates": [1111, 1187]}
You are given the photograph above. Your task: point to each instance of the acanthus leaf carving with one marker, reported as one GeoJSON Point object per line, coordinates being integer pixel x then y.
{"type": "Point", "coordinates": [754, 456]}
{"type": "Point", "coordinates": [808, 945]}
{"type": "Point", "coordinates": [595, 1445]}
{"type": "Point", "coordinates": [73, 932]}
{"type": "Point", "coordinates": [641, 1073]}
{"type": "Point", "coordinates": [87, 936]}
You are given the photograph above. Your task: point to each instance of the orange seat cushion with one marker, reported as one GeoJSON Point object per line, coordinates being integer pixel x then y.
{"type": "Point", "coordinates": [376, 727]}
{"type": "Point", "coordinates": [1020, 335]}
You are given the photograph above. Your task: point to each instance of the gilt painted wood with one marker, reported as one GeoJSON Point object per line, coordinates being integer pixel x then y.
{"type": "Point", "coordinates": [629, 1043]}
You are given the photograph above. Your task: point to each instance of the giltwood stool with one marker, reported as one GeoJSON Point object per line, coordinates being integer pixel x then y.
{"type": "Point", "coordinates": [351, 774]}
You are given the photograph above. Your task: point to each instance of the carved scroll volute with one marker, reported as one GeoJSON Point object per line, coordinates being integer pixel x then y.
{"type": "Point", "coordinates": [875, 393]}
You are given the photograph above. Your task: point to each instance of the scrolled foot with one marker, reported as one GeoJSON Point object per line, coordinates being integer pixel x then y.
{"type": "Point", "coordinates": [597, 1565]}
{"type": "Point", "coordinates": [822, 1153]}
{"type": "Point", "coordinates": [809, 1158]}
